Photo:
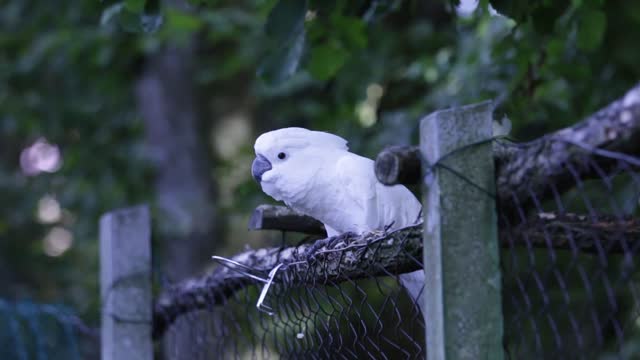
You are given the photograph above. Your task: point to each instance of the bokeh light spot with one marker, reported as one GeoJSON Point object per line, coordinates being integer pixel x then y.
{"type": "Point", "coordinates": [49, 210]}
{"type": "Point", "coordinates": [40, 157]}
{"type": "Point", "coordinates": [57, 241]}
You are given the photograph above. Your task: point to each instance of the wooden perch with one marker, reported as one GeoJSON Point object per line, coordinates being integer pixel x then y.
{"type": "Point", "coordinates": [530, 168]}
{"type": "Point", "coordinates": [274, 217]}
{"type": "Point", "coordinates": [376, 254]}
{"type": "Point", "coordinates": [352, 257]}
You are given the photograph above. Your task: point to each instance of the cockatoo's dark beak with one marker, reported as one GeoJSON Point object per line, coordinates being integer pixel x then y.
{"type": "Point", "coordinates": [260, 166]}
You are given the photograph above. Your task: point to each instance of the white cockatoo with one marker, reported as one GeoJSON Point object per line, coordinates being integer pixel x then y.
{"type": "Point", "coordinates": [314, 173]}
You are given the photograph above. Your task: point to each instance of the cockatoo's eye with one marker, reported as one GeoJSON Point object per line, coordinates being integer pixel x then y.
{"type": "Point", "coordinates": [282, 156]}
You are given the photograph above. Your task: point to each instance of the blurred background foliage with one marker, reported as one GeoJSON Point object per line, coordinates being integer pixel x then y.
{"type": "Point", "coordinates": [103, 102]}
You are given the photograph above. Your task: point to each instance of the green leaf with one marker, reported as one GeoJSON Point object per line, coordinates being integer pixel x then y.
{"type": "Point", "coordinates": [555, 49]}
{"type": "Point", "coordinates": [182, 22]}
{"type": "Point", "coordinates": [352, 30]}
{"type": "Point", "coordinates": [594, 3]}
{"type": "Point", "coordinates": [514, 9]}
{"type": "Point", "coordinates": [544, 18]}
{"type": "Point", "coordinates": [130, 16]}
{"type": "Point", "coordinates": [136, 6]}
{"type": "Point", "coordinates": [286, 18]}
{"type": "Point", "coordinates": [484, 5]}
{"type": "Point", "coordinates": [110, 13]}
{"type": "Point", "coordinates": [286, 35]}
{"type": "Point", "coordinates": [591, 27]}
{"type": "Point", "coordinates": [129, 21]}
{"type": "Point", "coordinates": [324, 7]}
{"type": "Point", "coordinates": [326, 60]}
{"type": "Point", "coordinates": [283, 62]}
{"type": "Point", "coordinates": [151, 22]}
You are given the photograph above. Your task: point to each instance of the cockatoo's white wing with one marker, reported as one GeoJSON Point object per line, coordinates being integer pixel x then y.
{"type": "Point", "coordinates": [376, 207]}
{"type": "Point", "coordinates": [372, 205]}
{"type": "Point", "coordinates": [357, 185]}
{"type": "Point", "coordinates": [397, 206]}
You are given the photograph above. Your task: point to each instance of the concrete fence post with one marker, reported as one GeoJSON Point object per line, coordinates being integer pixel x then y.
{"type": "Point", "coordinates": [462, 268]}
{"type": "Point", "coordinates": [125, 284]}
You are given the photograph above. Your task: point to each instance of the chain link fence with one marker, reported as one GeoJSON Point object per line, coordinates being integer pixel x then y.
{"type": "Point", "coordinates": [569, 262]}
{"type": "Point", "coordinates": [568, 227]}
{"type": "Point", "coordinates": [311, 311]}
{"type": "Point", "coordinates": [570, 284]}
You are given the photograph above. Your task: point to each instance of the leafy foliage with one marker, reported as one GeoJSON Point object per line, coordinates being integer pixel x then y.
{"type": "Point", "coordinates": [367, 69]}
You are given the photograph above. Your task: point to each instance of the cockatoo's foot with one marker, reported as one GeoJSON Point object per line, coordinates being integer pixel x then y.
{"type": "Point", "coordinates": [327, 244]}
{"type": "Point", "coordinates": [389, 226]}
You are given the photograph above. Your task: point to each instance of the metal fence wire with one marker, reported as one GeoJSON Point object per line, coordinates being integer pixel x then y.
{"type": "Point", "coordinates": [570, 283]}
{"type": "Point", "coordinates": [310, 311]}
{"type": "Point", "coordinates": [365, 319]}
{"type": "Point", "coordinates": [569, 263]}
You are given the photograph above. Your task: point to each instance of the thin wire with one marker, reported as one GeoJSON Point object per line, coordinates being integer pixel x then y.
{"type": "Point", "coordinates": [238, 267]}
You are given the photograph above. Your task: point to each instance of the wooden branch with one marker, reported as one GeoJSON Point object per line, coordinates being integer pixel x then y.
{"type": "Point", "coordinates": [377, 254]}
{"type": "Point", "coordinates": [351, 257]}
{"type": "Point", "coordinates": [529, 168]}
{"type": "Point", "coordinates": [274, 217]}
{"type": "Point", "coordinates": [578, 233]}
{"type": "Point", "coordinates": [558, 158]}
{"type": "Point", "coordinates": [398, 165]}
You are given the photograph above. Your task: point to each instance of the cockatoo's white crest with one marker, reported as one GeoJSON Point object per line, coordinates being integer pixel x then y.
{"type": "Point", "coordinates": [296, 137]}
{"type": "Point", "coordinates": [288, 160]}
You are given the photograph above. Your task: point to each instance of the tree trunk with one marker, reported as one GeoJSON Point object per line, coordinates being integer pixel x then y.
{"type": "Point", "coordinates": [186, 223]}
